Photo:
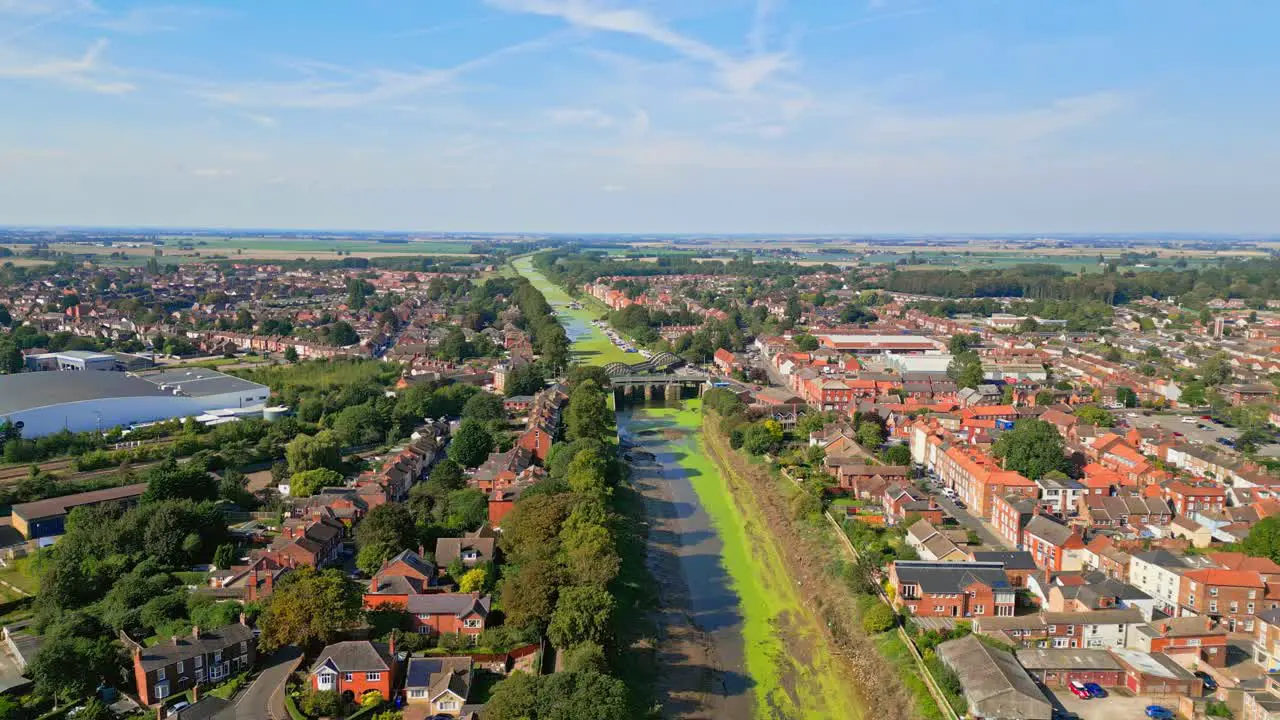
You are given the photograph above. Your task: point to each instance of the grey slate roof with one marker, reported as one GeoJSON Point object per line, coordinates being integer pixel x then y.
{"type": "Point", "coordinates": [950, 577]}
{"type": "Point", "coordinates": [1043, 527]}
{"type": "Point", "coordinates": [438, 674]}
{"type": "Point", "coordinates": [1012, 559]}
{"type": "Point", "coordinates": [994, 683]}
{"type": "Point", "coordinates": [459, 604]}
{"type": "Point", "coordinates": [447, 549]}
{"type": "Point", "coordinates": [186, 647]}
{"type": "Point", "coordinates": [354, 656]}
{"type": "Point", "coordinates": [27, 391]}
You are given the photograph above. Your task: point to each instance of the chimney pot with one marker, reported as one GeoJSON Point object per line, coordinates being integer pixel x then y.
{"type": "Point", "coordinates": [195, 631]}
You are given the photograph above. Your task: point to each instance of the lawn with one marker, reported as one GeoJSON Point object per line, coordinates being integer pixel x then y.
{"type": "Point", "coordinates": [19, 573]}
{"type": "Point", "coordinates": [590, 344]}
{"type": "Point", "coordinates": [789, 681]}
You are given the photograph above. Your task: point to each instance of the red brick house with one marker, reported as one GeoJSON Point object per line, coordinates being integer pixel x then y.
{"type": "Point", "coordinates": [901, 500]}
{"type": "Point", "coordinates": [1010, 515]}
{"type": "Point", "coordinates": [204, 657]}
{"type": "Point", "coordinates": [355, 668]}
{"type": "Point", "coordinates": [1055, 547]}
{"type": "Point", "coordinates": [441, 613]}
{"type": "Point", "coordinates": [1198, 636]}
{"type": "Point", "coordinates": [1232, 597]}
{"type": "Point", "coordinates": [399, 578]}
{"type": "Point", "coordinates": [933, 589]}
{"type": "Point", "coordinates": [1188, 498]}
{"type": "Point", "coordinates": [726, 361]}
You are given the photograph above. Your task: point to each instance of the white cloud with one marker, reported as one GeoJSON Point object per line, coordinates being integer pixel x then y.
{"type": "Point", "coordinates": [612, 188]}
{"type": "Point", "coordinates": [145, 19]}
{"type": "Point", "coordinates": [265, 121]}
{"type": "Point", "coordinates": [590, 117]}
{"type": "Point", "coordinates": [212, 172]}
{"type": "Point", "coordinates": [736, 74]}
{"type": "Point", "coordinates": [87, 72]}
{"type": "Point", "coordinates": [330, 86]}
{"type": "Point", "coordinates": [39, 8]}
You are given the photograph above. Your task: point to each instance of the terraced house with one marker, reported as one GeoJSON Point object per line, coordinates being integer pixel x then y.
{"type": "Point", "coordinates": [203, 657]}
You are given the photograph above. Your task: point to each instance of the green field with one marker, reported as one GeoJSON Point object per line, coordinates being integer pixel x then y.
{"type": "Point", "coordinates": [788, 683]}
{"type": "Point", "coordinates": [305, 245]}
{"type": "Point", "coordinates": [592, 346]}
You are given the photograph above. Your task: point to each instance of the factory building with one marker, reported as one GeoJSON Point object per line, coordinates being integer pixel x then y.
{"type": "Point", "coordinates": [42, 403]}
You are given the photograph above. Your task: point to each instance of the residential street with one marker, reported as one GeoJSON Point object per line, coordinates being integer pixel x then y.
{"type": "Point", "coordinates": [265, 697]}
{"type": "Point", "coordinates": [971, 522]}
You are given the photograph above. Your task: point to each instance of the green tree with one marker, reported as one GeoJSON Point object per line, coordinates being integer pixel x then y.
{"type": "Point", "coordinates": [309, 606]}
{"type": "Point", "coordinates": [762, 437]}
{"type": "Point", "coordinates": [1045, 397]}
{"type": "Point", "coordinates": [174, 481]}
{"type": "Point", "coordinates": [471, 445]}
{"type": "Point", "coordinates": [225, 556]}
{"type": "Point", "coordinates": [341, 334]}
{"type": "Point", "coordinates": [473, 580]}
{"type": "Point", "coordinates": [309, 482]}
{"type": "Point", "coordinates": [805, 343]}
{"type": "Point", "coordinates": [1094, 415]}
{"type": "Point", "coordinates": [1126, 397]}
{"type": "Point", "coordinates": [75, 657]}
{"type": "Point", "coordinates": [965, 370]}
{"type": "Point", "coordinates": [291, 354]}
{"type": "Point", "coordinates": [389, 526]}
{"type": "Point", "coordinates": [586, 473]}
{"type": "Point", "coordinates": [1263, 539]}
{"type": "Point", "coordinates": [369, 558]}
{"type": "Point", "coordinates": [879, 618]}
{"type": "Point", "coordinates": [1193, 393]}
{"type": "Point", "coordinates": [897, 455]}
{"type": "Point", "coordinates": [588, 414]}
{"type": "Point", "coordinates": [963, 342]}
{"type": "Point", "coordinates": [484, 406]}
{"type": "Point", "coordinates": [1033, 448]}
{"type": "Point", "coordinates": [870, 435]}
{"type": "Point", "coordinates": [582, 614]}
{"type": "Point", "coordinates": [359, 425]}
{"type": "Point", "coordinates": [465, 509]}
{"type": "Point", "coordinates": [525, 380]}
{"type": "Point", "coordinates": [312, 452]}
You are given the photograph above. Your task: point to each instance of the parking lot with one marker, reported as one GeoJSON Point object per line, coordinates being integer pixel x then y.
{"type": "Point", "coordinates": [1173, 423]}
{"type": "Point", "coordinates": [1116, 706]}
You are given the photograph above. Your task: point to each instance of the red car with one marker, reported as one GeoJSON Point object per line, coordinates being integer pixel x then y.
{"type": "Point", "coordinates": [1079, 690]}
{"type": "Point", "coordinates": [1206, 417]}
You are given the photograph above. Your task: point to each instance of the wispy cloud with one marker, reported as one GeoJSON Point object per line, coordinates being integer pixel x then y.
{"type": "Point", "coordinates": [739, 75]}
{"type": "Point", "coordinates": [590, 117]}
{"type": "Point", "coordinates": [212, 172]}
{"type": "Point", "coordinates": [265, 121]}
{"type": "Point", "coordinates": [144, 19]}
{"type": "Point", "coordinates": [42, 8]}
{"type": "Point", "coordinates": [88, 72]}
{"type": "Point", "coordinates": [331, 86]}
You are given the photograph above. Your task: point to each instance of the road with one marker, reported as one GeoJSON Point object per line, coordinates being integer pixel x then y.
{"type": "Point", "coordinates": [970, 522]}
{"type": "Point", "coordinates": [265, 697]}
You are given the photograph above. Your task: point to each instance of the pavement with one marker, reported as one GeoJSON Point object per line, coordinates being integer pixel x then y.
{"type": "Point", "coordinates": [264, 699]}
{"type": "Point", "coordinates": [1116, 705]}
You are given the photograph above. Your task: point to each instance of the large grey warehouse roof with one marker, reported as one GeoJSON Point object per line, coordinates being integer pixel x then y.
{"type": "Point", "coordinates": [26, 391]}
{"type": "Point", "coordinates": [198, 382]}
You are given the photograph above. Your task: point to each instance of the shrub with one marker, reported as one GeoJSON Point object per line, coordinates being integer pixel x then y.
{"type": "Point", "coordinates": [879, 619]}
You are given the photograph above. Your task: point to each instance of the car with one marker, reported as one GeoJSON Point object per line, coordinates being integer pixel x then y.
{"type": "Point", "coordinates": [1226, 441]}
{"type": "Point", "coordinates": [1095, 690]}
{"type": "Point", "coordinates": [1159, 712]}
{"type": "Point", "coordinates": [1210, 685]}
{"type": "Point", "coordinates": [960, 504]}
{"type": "Point", "coordinates": [1189, 420]}
{"type": "Point", "coordinates": [180, 705]}
{"type": "Point", "coordinates": [1178, 434]}
{"type": "Point", "coordinates": [1077, 688]}
{"type": "Point", "coordinates": [1206, 417]}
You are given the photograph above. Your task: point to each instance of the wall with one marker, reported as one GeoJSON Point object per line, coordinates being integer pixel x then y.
{"type": "Point", "coordinates": [83, 416]}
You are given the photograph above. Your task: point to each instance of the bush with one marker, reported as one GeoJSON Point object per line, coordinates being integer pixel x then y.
{"type": "Point", "coordinates": [878, 619]}
{"type": "Point", "coordinates": [322, 702]}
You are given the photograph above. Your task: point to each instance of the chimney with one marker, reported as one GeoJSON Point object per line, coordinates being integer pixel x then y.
{"type": "Point", "coordinates": [391, 646]}
{"type": "Point", "coordinates": [195, 631]}
{"type": "Point", "coordinates": [195, 694]}
{"type": "Point", "coordinates": [244, 619]}
{"type": "Point", "coordinates": [373, 584]}
{"type": "Point", "coordinates": [1208, 623]}
{"type": "Point", "coordinates": [1164, 628]}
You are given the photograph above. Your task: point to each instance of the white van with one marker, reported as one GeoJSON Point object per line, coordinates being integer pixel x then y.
{"type": "Point", "coordinates": [1190, 419]}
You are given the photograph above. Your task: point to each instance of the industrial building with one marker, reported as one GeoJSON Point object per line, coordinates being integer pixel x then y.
{"type": "Point", "coordinates": [42, 403]}
{"type": "Point", "coordinates": [47, 518]}
{"type": "Point", "coordinates": [81, 360]}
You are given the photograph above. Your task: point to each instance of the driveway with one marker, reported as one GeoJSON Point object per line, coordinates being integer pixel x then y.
{"type": "Point", "coordinates": [969, 521]}
{"type": "Point", "coordinates": [265, 697]}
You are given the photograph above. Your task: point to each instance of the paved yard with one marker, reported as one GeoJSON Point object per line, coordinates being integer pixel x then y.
{"type": "Point", "coordinates": [1113, 707]}
{"type": "Point", "coordinates": [1173, 423]}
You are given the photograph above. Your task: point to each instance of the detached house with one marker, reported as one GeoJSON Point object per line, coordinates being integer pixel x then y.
{"type": "Point", "coordinates": [356, 667]}
{"type": "Point", "coordinates": [175, 666]}
{"type": "Point", "coordinates": [933, 589]}
{"type": "Point", "coordinates": [442, 684]}
{"type": "Point", "coordinates": [440, 613]}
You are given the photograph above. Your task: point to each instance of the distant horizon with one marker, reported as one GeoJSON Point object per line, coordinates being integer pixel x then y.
{"type": "Point", "coordinates": [1182, 235]}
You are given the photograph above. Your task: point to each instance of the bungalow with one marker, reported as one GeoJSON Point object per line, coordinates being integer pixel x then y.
{"type": "Point", "coordinates": [931, 544]}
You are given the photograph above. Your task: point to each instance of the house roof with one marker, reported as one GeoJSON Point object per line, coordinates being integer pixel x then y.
{"type": "Point", "coordinates": [63, 505]}
{"type": "Point", "coordinates": [1049, 530]}
{"type": "Point", "coordinates": [1225, 578]}
{"type": "Point", "coordinates": [950, 577]}
{"type": "Point", "coordinates": [993, 682]}
{"type": "Point", "coordinates": [354, 656]}
{"type": "Point", "coordinates": [458, 604]}
{"type": "Point", "coordinates": [413, 560]}
{"type": "Point", "coordinates": [448, 549]}
{"type": "Point", "coordinates": [189, 646]}
{"type": "Point", "coordinates": [438, 674]}
{"type": "Point", "coordinates": [1067, 659]}
{"type": "Point", "coordinates": [1011, 559]}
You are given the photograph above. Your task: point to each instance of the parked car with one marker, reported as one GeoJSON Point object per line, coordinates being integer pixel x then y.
{"type": "Point", "coordinates": [1078, 689]}
{"type": "Point", "coordinates": [960, 504]}
{"type": "Point", "coordinates": [1159, 712]}
{"type": "Point", "coordinates": [1095, 690]}
{"type": "Point", "coordinates": [1210, 685]}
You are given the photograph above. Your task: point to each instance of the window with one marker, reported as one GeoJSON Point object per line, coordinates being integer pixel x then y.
{"type": "Point", "coordinates": [447, 705]}
{"type": "Point", "coordinates": [373, 676]}
{"type": "Point", "coordinates": [1213, 606]}
{"type": "Point", "coordinates": [417, 693]}
{"type": "Point", "coordinates": [197, 661]}
{"type": "Point", "coordinates": [938, 608]}
{"type": "Point", "coordinates": [160, 674]}
{"type": "Point", "coordinates": [471, 624]}
{"type": "Point", "coordinates": [1213, 592]}
{"type": "Point", "coordinates": [1071, 629]}
{"type": "Point", "coordinates": [979, 610]}
{"type": "Point", "coordinates": [179, 668]}
{"type": "Point", "coordinates": [162, 690]}
{"type": "Point", "coordinates": [1253, 594]}
{"type": "Point", "coordinates": [244, 647]}
{"type": "Point", "coordinates": [1193, 642]}
{"type": "Point", "coordinates": [346, 677]}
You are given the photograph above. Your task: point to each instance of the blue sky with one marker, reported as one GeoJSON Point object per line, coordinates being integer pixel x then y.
{"type": "Point", "coordinates": [856, 116]}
